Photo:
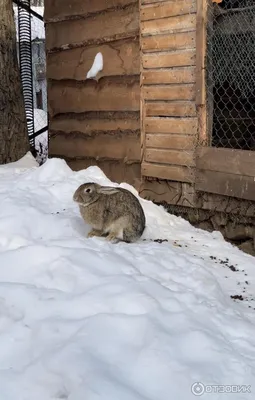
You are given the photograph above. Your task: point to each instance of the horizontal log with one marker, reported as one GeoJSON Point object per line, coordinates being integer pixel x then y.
{"type": "Point", "coordinates": [170, 157]}
{"type": "Point", "coordinates": [169, 92]}
{"type": "Point", "coordinates": [170, 109]}
{"type": "Point", "coordinates": [56, 10]}
{"type": "Point", "coordinates": [93, 30]}
{"type": "Point", "coordinates": [92, 126]}
{"type": "Point", "coordinates": [106, 95]}
{"type": "Point", "coordinates": [226, 184]}
{"type": "Point", "coordinates": [100, 146]}
{"type": "Point", "coordinates": [172, 24]}
{"type": "Point", "coordinates": [224, 160]}
{"type": "Point", "coordinates": [174, 41]}
{"type": "Point", "coordinates": [177, 193]}
{"type": "Point", "coordinates": [181, 58]}
{"type": "Point", "coordinates": [166, 141]}
{"type": "Point", "coordinates": [120, 58]}
{"type": "Point", "coordinates": [169, 76]}
{"type": "Point", "coordinates": [116, 171]}
{"type": "Point", "coordinates": [168, 172]}
{"type": "Point", "coordinates": [167, 9]}
{"type": "Point", "coordinates": [184, 126]}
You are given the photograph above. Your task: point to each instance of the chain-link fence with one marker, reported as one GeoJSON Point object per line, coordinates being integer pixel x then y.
{"type": "Point", "coordinates": [32, 61]}
{"type": "Point", "coordinates": [231, 74]}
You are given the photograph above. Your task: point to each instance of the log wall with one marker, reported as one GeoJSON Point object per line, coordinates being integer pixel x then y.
{"type": "Point", "coordinates": [94, 122]}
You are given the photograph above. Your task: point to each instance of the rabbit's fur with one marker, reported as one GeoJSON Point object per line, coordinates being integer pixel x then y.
{"type": "Point", "coordinates": [112, 212]}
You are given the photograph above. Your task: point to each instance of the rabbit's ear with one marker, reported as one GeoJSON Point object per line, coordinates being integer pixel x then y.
{"type": "Point", "coordinates": [107, 190]}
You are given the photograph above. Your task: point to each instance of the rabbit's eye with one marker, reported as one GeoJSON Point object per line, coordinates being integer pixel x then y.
{"type": "Point", "coordinates": [87, 190]}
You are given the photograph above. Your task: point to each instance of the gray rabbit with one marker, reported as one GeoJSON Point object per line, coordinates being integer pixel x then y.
{"type": "Point", "coordinates": [113, 212]}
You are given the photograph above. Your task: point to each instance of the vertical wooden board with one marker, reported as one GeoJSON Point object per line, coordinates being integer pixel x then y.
{"type": "Point", "coordinates": [167, 9]}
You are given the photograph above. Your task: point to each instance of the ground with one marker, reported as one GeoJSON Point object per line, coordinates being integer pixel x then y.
{"type": "Point", "coordinates": [86, 319]}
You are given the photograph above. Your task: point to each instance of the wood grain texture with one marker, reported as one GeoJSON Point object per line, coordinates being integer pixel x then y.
{"type": "Point", "coordinates": [120, 58]}
{"type": "Point", "coordinates": [169, 92]}
{"type": "Point", "coordinates": [93, 30]}
{"type": "Point", "coordinates": [166, 141]}
{"type": "Point", "coordinates": [237, 162]}
{"type": "Point", "coordinates": [99, 146]}
{"type": "Point", "coordinates": [172, 24]}
{"type": "Point", "coordinates": [185, 126]}
{"type": "Point", "coordinates": [170, 157]}
{"type": "Point", "coordinates": [169, 76]}
{"type": "Point", "coordinates": [94, 126]}
{"type": "Point", "coordinates": [57, 10]}
{"type": "Point", "coordinates": [93, 96]}
{"type": "Point", "coordinates": [167, 9]}
{"type": "Point", "coordinates": [226, 184]}
{"type": "Point", "coordinates": [169, 42]}
{"type": "Point", "coordinates": [170, 109]}
{"type": "Point", "coordinates": [168, 172]}
{"type": "Point", "coordinates": [169, 59]}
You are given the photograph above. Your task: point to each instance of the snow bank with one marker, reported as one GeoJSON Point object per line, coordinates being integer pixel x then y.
{"type": "Point", "coordinates": [86, 319]}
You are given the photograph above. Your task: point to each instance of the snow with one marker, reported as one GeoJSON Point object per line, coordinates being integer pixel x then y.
{"type": "Point", "coordinates": [37, 25]}
{"type": "Point", "coordinates": [86, 319]}
{"type": "Point", "coordinates": [97, 66]}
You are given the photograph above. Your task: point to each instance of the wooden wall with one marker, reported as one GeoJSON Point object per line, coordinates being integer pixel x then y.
{"type": "Point", "coordinates": [168, 43]}
{"type": "Point", "coordinates": [94, 122]}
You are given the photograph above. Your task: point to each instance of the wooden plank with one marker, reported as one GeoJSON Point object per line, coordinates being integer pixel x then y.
{"type": "Point", "coordinates": [172, 24]}
{"type": "Point", "coordinates": [176, 193]}
{"type": "Point", "coordinates": [106, 95]}
{"type": "Point", "coordinates": [100, 146]}
{"type": "Point", "coordinates": [170, 157]}
{"type": "Point", "coordinates": [226, 184]}
{"type": "Point", "coordinates": [170, 109]}
{"type": "Point", "coordinates": [142, 99]}
{"type": "Point", "coordinates": [169, 92]}
{"type": "Point", "coordinates": [92, 126]}
{"type": "Point", "coordinates": [168, 172]}
{"type": "Point", "coordinates": [93, 30]}
{"type": "Point", "coordinates": [224, 160]}
{"type": "Point", "coordinates": [181, 58]}
{"type": "Point", "coordinates": [167, 76]}
{"type": "Point", "coordinates": [169, 42]}
{"type": "Point", "coordinates": [201, 40]}
{"type": "Point", "coordinates": [166, 141]}
{"type": "Point", "coordinates": [120, 58]}
{"type": "Point", "coordinates": [56, 10]}
{"type": "Point", "coordinates": [167, 9]}
{"type": "Point", "coordinates": [184, 126]}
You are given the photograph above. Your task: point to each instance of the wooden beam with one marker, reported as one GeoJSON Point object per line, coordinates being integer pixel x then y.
{"type": "Point", "coordinates": [169, 76]}
{"type": "Point", "coordinates": [201, 37]}
{"type": "Point", "coordinates": [180, 23]}
{"type": "Point", "coordinates": [170, 157]}
{"type": "Point", "coordinates": [170, 109]}
{"type": "Point", "coordinates": [182, 58]}
{"type": "Point", "coordinates": [185, 126]}
{"type": "Point", "coordinates": [238, 162]}
{"type": "Point", "coordinates": [226, 184]}
{"type": "Point", "coordinates": [167, 9]}
{"type": "Point", "coordinates": [169, 92]}
{"type": "Point", "coordinates": [169, 42]}
{"type": "Point", "coordinates": [166, 141]}
{"type": "Point", "coordinates": [168, 172]}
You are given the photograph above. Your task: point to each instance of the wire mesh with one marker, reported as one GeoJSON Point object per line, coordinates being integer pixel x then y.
{"type": "Point", "coordinates": [231, 74]}
{"type": "Point", "coordinates": [31, 15]}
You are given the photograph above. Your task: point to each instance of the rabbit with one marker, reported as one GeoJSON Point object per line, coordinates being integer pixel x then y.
{"type": "Point", "coordinates": [112, 212]}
